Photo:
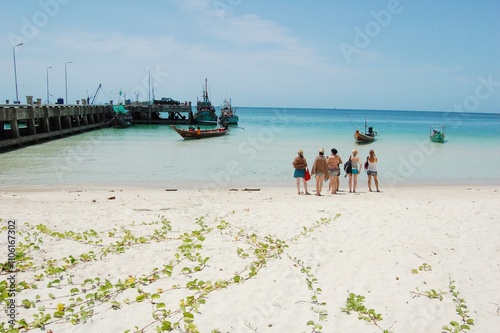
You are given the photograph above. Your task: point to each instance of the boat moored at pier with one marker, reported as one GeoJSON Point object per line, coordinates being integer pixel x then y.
{"type": "Point", "coordinates": [228, 113]}
{"type": "Point", "coordinates": [205, 111]}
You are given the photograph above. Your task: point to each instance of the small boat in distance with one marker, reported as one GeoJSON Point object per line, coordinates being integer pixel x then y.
{"type": "Point", "coordinates": [205, 111]}
{"type": "Point", "coordinates": [197, 133]}
{"type": "Point", "coordinates": [228, 114]}
{"type": "Point", "coordinates": [437, 135]}
{"type": "Point", "coordinates": [367, 136]}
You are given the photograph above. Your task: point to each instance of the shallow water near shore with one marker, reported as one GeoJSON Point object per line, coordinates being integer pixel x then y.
{"type": "Point", "coordinates": [259, 151]}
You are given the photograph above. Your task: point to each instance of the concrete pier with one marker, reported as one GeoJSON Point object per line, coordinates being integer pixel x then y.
{"type": "Point", "coordinates": [21, 124]}
{"type": "Point", "coordinates": [29, 123]}
{"type": "Point", "coordinates": [161, 114]}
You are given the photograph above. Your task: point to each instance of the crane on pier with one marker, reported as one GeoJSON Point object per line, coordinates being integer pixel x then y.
{"type": "Point", "coordinates": [95, 95]}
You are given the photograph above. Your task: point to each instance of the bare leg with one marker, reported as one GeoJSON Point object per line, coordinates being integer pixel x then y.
{"type": "Point", "coordinates": [350, 182]}
{"type": "Point", "coordinates": [305, 186]}
{"type": "Point", "coordinates": [376, 182]}
{"type": "Point", "coordinates": [319, 184]}
{"type": "Point", "coordinates": [335, 186]}
{"type": "Point", "coordinates": [298, 185]}
{"type": "Point", "coordinates": [355, 182]}
{"type": "Point", "coordinates": [370, 182]}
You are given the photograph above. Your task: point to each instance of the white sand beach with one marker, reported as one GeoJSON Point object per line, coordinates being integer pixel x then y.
{"type": "Point", "coordinates": [266, 260]}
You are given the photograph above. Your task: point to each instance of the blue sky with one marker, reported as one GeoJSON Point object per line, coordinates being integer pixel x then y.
{"type": "Point", "coordinates": [401, 55]}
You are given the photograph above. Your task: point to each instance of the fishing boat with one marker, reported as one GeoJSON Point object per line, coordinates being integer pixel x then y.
{"type": "Point", "coordinates": [228, 113]}
{"type": "Point", "coordinates": [122, 117]}
{"type": "Point", "coordinates": [205, 111]}
{"type": "Point", "coordinates": [437, 135]}
{"type": "Point", "coordinates": [193, 133]}
{"type": "Point", "coordinates": [367, 136]}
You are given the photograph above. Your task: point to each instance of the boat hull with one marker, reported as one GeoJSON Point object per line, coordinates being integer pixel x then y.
{"type": "Point", "coordinates": [230, 120]}
{"type": "Point", "coordinates": [190, 135]}
{"type": "Point", "coordinates": [437, 133]}
{"type": "Point", "coordinates": [363, 138]}
{"type": "Point", "coordinates": [205, 116]}
{"type": "Point", "coordinates": [437, 137]}
{"type": "Point", "coordinates": [122, 121]}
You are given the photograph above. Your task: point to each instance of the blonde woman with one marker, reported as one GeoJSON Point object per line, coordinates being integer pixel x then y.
{"type": "Point", "coordinates": [300, 166]}
{"type": "Point", "coordinates": [353, 176]}
{"type": "Point", "coordinates": [372, 170]}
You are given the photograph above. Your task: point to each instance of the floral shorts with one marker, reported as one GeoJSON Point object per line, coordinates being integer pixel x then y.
{"type": "Point", "coordinates": [334, 172]}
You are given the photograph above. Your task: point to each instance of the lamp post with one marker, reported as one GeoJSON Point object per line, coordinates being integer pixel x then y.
{"type": "Point", "coordinates": [15, 70]}
{"type": "Point", "coordinates": [66, 78]}
{"type": "Point", "coordinates": [48, 99]}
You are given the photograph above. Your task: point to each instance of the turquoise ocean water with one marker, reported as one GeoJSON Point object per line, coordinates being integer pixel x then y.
{"type": "Point", "coordinates": [260, 151]}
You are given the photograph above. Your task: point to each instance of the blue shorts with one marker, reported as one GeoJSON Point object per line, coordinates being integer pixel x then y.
{"type": "Point", "coordinates": [355, 171]}
{"type": "Point", "coordinates": [299, 173]}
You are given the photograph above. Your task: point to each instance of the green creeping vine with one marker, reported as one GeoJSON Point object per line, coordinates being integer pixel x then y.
{"type": "Point", "coordinates": [422, 268]}
{"type": "Point", "coordinates": [461, 310]}
{"type": "Point", "coordinates": [78, 303]}
{"type": "Point", "coordinates": [311, 282]}
{"type": "Point", "coordinates": [354, 303]}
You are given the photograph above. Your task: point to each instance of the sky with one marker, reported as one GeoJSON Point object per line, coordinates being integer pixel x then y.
{"type": "Point", "coordinates": [380, 55]}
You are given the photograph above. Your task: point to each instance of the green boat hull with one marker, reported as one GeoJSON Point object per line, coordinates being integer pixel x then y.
{"type": "Point", "coordinates": [437, 137]}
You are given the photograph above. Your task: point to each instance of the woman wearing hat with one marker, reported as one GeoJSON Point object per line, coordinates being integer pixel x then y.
{"type": "Point", "coordinates": [300, 165]}
{"type": "Point", "coordinates": [320, 169]}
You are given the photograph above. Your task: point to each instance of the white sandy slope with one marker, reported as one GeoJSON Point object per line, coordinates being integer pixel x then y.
{"type": "Point", "coordinates": [369, 249]}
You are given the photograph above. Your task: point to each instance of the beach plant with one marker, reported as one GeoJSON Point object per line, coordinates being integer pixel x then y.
{"type": "Point", "coordinates": [81, 302]}
{"type": "Point", "coordinates": [311, 282]}
{"type": "Point", "coordinates": [64, 298]}
{"type": "Point", "coordinates": [422, 268]}
{"type": "Point", "coordinates": [91, 300]}
{"type": "Point", "coordinates": [432, 293]}
{"type": "Point", "coordinates": [461, 310]}
{"type": "Point", "coordinates": [354, 303]}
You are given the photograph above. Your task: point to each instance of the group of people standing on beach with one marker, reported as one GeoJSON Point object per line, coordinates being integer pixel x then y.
{"type": "Point", "coordinates": [328, 169]}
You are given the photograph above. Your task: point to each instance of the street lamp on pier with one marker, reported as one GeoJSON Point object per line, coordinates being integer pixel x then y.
{"type": "Point", "coordinates": [15, 69]}
{"type": "Point", "coordinates": [66, 78]}
{"type": "Point", "coordinates": [48, 98]}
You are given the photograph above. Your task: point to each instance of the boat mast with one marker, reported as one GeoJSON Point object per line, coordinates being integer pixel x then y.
{"type": "Point", "coordinates": [205, 94]}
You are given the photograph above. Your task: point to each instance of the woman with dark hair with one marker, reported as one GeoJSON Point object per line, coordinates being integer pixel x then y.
{"type": "Point", "coordinates": [333, 163]}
